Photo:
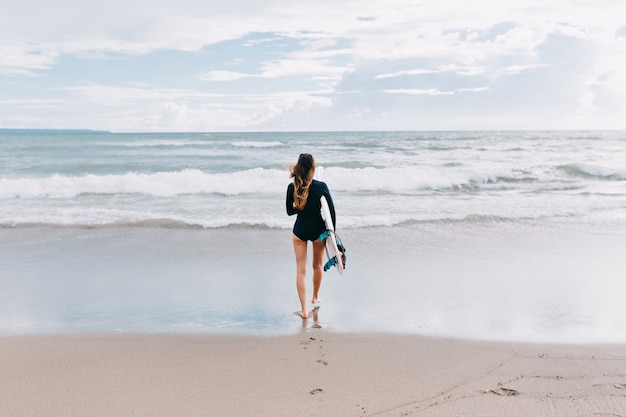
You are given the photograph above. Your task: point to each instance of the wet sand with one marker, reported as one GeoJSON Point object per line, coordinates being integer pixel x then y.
{"type": "Point", "coordinates": [313, 373]}
{"type": "Point", "coordinates": [535, 281]}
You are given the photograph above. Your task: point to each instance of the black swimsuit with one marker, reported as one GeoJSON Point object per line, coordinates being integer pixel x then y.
{"type": "Point", "coordinates": [309, 224]}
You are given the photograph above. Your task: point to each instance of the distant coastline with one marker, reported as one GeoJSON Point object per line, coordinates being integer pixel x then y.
{"type": "Point", "coordinates": [50, 131]}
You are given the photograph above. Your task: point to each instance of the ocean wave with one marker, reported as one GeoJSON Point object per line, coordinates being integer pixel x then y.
{"type": "Point", "coordinates": [251, 144]}
{"type": "Point", "coordinates": [161, 223]}
{"type": "Point", "coordinates": [415, 179]}
{"type": "Point", "coordinates": [144, 220]}
{"type": "Point", "coordinates": [592, 171]}
{"type": "Point", "coordinates": [225, 223]}
{"type": "Point", "coordinates": [355, 211]}
{"type": "Point", "coordinates": [397, 180]}
{"type": "Point", "coordinates": [177, 143]}
{"type": "Point", "coordinates": [161, 184]}
{"type": "Point", "coordinates": [156, 143]}
{"type": "Point", "coordinates": [140, 216]}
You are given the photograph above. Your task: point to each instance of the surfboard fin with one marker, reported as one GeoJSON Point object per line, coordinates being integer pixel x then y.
{"type": "Point", "coordinates": [342, 249]}
{"type": "Point", "coordinates": [331, 262]}
{"type": "Point", "coordinates": [324, 235]}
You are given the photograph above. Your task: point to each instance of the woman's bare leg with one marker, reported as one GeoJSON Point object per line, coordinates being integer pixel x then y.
{"type": "Point", "coordinates": [318, 257]}
{"type": "Point", "coordinates": [300, 249]}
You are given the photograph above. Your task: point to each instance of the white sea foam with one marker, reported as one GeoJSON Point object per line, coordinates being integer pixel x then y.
{"type": "Point", "coordinates": [162, 184]}
{"type": "Point", "coordinates": [405, 179]}
{"type": "Point", "coordinates": [377, 179]}
{"type": "Point", "coordinates": [257, 180]}
{"type": "Point", "coordinates": [178, 143]}
{"type": "Point", "coordinates": [593, 171]}
{"type": "Point", "coordinates": [251, 144]}
{"type": "Point", "coordinates": [365, 196]}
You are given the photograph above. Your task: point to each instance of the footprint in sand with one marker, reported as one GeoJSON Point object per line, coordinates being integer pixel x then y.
{"type": "Point", "coordinates": [505, 392]}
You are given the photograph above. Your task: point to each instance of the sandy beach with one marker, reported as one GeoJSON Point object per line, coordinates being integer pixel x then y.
{"type": "Point", "coordinates": [314, 373]}
{"type": "Point", "coordinates": [154, 275]}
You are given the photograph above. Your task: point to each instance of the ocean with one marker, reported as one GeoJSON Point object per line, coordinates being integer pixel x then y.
{"type": "Point", "coordinates": [490, 235]}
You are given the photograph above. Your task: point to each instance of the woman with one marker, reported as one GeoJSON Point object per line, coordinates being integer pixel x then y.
{"type": "Point", "coordinates": [303, 199]}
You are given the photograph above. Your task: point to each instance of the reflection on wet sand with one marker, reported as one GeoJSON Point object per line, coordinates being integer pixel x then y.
{"type": "Point", "coordinates": [305, 321]}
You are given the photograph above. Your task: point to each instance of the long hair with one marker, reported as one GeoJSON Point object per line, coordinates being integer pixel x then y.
{"type": "Point", "coordinates": [302, 174]}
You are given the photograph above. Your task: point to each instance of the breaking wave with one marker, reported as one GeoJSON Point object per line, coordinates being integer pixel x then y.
{"type": "Point", "coordinates": [592, 171]}
{"type": "Point", "coordinates": [400, 180]}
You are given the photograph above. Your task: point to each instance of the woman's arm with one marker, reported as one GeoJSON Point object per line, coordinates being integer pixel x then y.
{"type": "Point", "coordinates": [331, 205]}
{"type": "Point", "coordinates": [289, 201]}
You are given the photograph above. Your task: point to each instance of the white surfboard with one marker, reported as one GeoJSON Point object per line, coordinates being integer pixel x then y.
{"type": "Point", "coordinates": [335, 256]}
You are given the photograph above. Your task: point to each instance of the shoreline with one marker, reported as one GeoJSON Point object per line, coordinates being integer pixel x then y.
{"type": "Point", "coordinates": [538, 282]}
{"type": "Point", "coordinates": [316, 373]}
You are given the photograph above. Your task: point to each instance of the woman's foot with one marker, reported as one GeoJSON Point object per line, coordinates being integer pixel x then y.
{"type": "Point", "coordinates": [302, 314]}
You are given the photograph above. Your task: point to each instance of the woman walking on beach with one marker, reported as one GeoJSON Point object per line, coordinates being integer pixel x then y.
{"type": "Point", "coordinates": [303, 199]}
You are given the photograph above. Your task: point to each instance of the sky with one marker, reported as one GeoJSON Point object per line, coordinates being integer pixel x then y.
{"type": "Point", "coordinates": [285, 65]}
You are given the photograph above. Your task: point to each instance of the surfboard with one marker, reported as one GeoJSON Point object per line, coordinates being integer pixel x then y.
{"type": "Point", "coordinates": [335, 256]}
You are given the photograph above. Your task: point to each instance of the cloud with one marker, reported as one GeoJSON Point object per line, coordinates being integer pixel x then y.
{"type": "Point", "coordinates": [318, 69]}
{"type": "Point", "coordinates": [25, 59]}
{"type": "Point", "coordinates": [222, 76]}
{"type": "Point", "coordinates": [417, 71]}
{"type": "Point", "coordinates": [473, 90]}
{"type": "Point", "coordinates": [34, 103]}
{"type": "Point", "coordinates": [419, 92]}
{"type": "Point", "coordinates": [435, 92]}
{"type": "Point", "coordinates": [317, 59]}
{"type": "Point", "coordinates": [141, 108]}
{"type": "Point", "coordinates": [109, 95]}
{"type": "Point", "coordinates": [294, 57]}
{"type": "Point", "coordinates": [247, 114]}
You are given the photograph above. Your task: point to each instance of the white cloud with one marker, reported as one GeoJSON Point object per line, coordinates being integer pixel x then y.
{"type": "Point", "coordinates": [34, 103]}
{"type": "Point", "coordinates": [140, 108]}
{"type": "Point", "coordinates": [417, 71]}
{"type": "Point", "coordinates": [392, 48]}
{"type": "Point", "coordinates": [315, 68]}
{"type": "Point", "coordinates": [315, 64]}
{"type": "Point", "coordinates": [222, 76]}
{"type": "Point", "coordinates": [25, 59]}
{"type": "Point", "coordinates": [473, 90]}
{"type": "Point", "coordinates": [249, 113]}
{"type": "Point", "coordinates": [116, 95]}
{"type": "Point", "coordinates": [420, 92]}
